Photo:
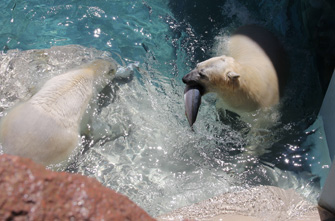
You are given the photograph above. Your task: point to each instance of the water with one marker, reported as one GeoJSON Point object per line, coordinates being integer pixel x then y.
{"type": "Point", "coordinates": [145, 148]}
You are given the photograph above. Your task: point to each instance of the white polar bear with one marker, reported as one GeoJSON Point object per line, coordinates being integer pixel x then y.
{"type": "Point", "coordinates": [46, 127]}
{"type": "Point", "coordinates": [251, 77]}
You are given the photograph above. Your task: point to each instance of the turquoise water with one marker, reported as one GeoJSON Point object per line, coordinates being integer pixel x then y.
{"type": "Point", "coordinates": [122, 27]}
{"type": "Point", "coordinates": [154, 158]}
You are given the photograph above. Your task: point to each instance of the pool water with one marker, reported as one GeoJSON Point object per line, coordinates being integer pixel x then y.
{"type": "Point", "coordinates": [146, 149]}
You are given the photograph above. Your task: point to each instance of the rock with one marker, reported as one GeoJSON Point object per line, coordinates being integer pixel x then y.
{"type": "Point", "coordinates": [31, 192]}
{"type": "Point", "coordinates": [253, 204]}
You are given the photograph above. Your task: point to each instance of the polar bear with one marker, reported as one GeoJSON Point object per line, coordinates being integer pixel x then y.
{"type": "Point", "coordinates": [250, 77]}
{"type": "Point", "coordinates": [46, 127]}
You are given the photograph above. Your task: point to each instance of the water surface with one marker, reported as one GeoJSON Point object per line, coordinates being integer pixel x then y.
{"type": "Point", "coordinates": [146, 149]}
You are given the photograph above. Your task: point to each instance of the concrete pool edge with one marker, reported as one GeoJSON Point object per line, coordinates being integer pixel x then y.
{"type": "Point", "coordinates": [327, 197]}
{"type": "Point", "coordinates": [257, 203]}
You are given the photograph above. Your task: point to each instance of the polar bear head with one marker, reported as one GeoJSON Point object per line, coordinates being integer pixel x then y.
{"type": "Point", "coordinates": [102, 71]}
{"type": "Point", "coordinates": [102, 68]}
{"type": "Point", "coordinates": [217, 74]}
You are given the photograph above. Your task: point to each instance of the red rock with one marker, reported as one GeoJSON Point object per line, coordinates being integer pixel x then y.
{"type": "Point", "coordinates": [30, 192]}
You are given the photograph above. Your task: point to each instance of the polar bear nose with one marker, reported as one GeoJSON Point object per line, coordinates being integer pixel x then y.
{"type": "Point", "coordinates": [191, 78]}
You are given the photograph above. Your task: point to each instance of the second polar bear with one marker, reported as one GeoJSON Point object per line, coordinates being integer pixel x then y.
{"type": "Point", "coordinates": [251, 76]}
{"type": "Point", "coordinates": [46, 127]}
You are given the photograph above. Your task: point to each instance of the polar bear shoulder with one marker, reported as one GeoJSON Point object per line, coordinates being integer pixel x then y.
{"type": "Point", "coordinates": [256, 48]}
{"type": "Point", "coordinates": [66, 96]}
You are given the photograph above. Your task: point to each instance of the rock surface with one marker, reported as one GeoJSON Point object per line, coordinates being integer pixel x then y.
{"type": "Point", "coordinates": [30, 192]}
{"type": "Point", "coordinates": [255, 204]}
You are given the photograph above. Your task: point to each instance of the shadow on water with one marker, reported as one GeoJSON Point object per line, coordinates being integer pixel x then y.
{"type": "Point", "coordinates": [204, 18]}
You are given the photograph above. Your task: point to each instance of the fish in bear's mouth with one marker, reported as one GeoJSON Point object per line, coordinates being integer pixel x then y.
{"type": "Point", "coordinates": [192, 99]}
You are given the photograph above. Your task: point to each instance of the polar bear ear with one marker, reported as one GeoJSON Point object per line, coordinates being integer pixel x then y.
{"type": "Point", "coordinates": [233, 75]}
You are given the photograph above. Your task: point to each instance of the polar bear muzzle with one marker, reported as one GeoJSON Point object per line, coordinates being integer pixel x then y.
{"type": "Point", "coordinates": [195, 78]}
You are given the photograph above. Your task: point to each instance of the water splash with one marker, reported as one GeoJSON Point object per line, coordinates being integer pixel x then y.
{"type": "Point", "coordinates": [144, 148]}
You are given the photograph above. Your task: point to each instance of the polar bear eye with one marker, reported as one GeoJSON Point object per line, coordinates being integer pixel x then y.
{"type": "Point", "coordinates": [201, 73]}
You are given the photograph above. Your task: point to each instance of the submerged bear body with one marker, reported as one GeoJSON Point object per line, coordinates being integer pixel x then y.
{"type": "Point", "coordinates": [46, 127]}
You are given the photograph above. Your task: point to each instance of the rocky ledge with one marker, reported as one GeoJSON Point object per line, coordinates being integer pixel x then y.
{"type": "Point", "coordinates": [31, 192]}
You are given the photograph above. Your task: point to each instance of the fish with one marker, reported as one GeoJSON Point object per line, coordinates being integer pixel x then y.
{"type": "Point", "coordinates": [192, 99]}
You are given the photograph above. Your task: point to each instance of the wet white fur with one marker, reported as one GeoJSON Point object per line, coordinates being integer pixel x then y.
{"type": "Point", "coordinates": [246, 79]}
{"type": "Point", "coordinates": [46, 127]}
